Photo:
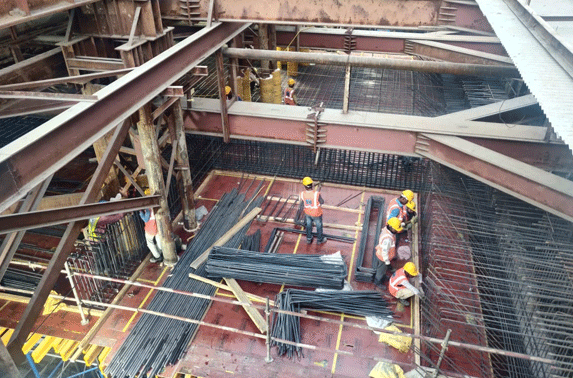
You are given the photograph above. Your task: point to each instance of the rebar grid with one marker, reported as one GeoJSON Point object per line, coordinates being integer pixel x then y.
{"type": "Point", "coordinates": [498, 271]}
{"type": "Point", "coordinates": [115, 252]}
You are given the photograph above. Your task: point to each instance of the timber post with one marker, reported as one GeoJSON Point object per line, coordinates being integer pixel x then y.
{"type": "Point", "coordinates": [154, 172]}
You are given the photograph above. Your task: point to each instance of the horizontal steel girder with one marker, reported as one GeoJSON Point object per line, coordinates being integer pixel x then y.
{"type": "Point", "coordinates": [378, 132]}
{"type": "Point", "coordinates": [356, 12]}
{"type": "Point", "coordinates": [532, 185]}
{"type": "Point", "coordinates": [27, 161]}
{"type": "Point", "coordinates": [44, 218]}
{"type": "Point", "coordinates": [355, 129]}
{"type": "Point", "coordinates": [364, 61]}
{"type": "Point", "coordinates": [384, 40]}
{"type": "Point", "coordinates": [46, 8]}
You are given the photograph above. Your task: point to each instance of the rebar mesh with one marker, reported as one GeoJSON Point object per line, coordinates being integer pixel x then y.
{"type": "Point", "coordinates": [340, 166]}
{"type": "Point", "coordinates": [498, 274]}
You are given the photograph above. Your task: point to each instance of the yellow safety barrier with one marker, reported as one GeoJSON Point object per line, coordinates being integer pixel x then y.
{"type": "Point", "coordinates": [101, 359]}
{"type": "Point", "coordinates": [29, 344]}
{"type": "Point", "coordinates": [58, 344]}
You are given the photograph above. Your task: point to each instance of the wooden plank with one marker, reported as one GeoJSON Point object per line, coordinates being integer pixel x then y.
{"type": "Point", "coordinates": [222, 286]}
{"type": "Point", "coordinates": [253, 313]}
{"type": "Point", "coordinates": [225, 238]}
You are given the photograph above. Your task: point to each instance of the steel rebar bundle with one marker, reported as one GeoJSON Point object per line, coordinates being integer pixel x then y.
{"type": "Point", "coordinates": [361, 272]}
{"type": "Point", "coordinates": [156, 342]}
{"type": "Point", "coordinates": [275, 268]}
{"type": "Point", "coordinates": [287, 326]}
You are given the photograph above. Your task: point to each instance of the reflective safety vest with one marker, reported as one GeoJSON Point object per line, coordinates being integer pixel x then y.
{"type": "Point", "coordinates": [151, 224]}
{"type": "Point", "coordinates": [386, 234]}
{"type": "Point", "coordinates": [401, 210]}
{"type": "Point", "coordinates": [289, 96]}
{"type": "Point", "coordinates": [311, 205]}
{"type": "Point", "coordinates": [397, 281]}
{"type": "Point", "coordinates": [92, 224]}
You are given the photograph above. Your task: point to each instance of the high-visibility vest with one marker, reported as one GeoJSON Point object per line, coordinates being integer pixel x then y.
{"type": "Point", "coordinates": [401, 210]}
{"type": "Point", "coordinates": [397, 281]}
{"type": "Point", "coordinates": [311, 205]}
{"type": "Point", "coordinates": [92, 224]}
{"type": "Point", "coordinates": [151, 224]}
{"type": "Point", "coordinates": [386, 234]}
{"type": "Point", "coordinates": [289, 96]}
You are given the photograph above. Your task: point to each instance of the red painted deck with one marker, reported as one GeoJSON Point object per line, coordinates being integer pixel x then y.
{"type": "Point", "coordinates": [218, 353]}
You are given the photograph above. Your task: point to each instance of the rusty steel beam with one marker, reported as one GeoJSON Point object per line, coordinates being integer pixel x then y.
{"type": "Point", "coordinates": [38, 9]}
{"type": "Point", "coordinates": [44, 218]}
{"type": "Point", "coordinates": [81, 79]}
{"type": "Point", "coordinates": [450, 53]}
{"type": "Point", "coordinates": [94, 64]}
{"type": "Point", "coordinates": [65, 246]}
{"type": "Point", "coordinates": [66, 97]}
{"type": "Point", "coordinates": [318, 12]}
{"type": "Point", "coordinates": [383, 41]}
{"type": "Point", "coordinates": [39, 67]}
{"type": "Point", "coordinates": [20, 167]}
{"type": "Point", "coordinates": [532, 185]}
{"type": "Point", "coordinates": [21, 108]}
{"type": "Point", "coordinates": [363, 61]}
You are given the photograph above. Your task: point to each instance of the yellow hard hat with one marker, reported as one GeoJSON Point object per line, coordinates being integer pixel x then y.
{"type": "Point", "coordinates": [307, 181]}
{"type": "Point", "coordinates": [411, 205]}
{"type": "Point", "coordinates": [227, 90]}
{"type": "Point", "coordinates": [408, 194]}
{"type": "Point", "coordinates": [411, 269]}
{"type": "Point", "coordinates": [147, 191]}
{"type": "Point", "coordinates": [395, 223]}
{"type": "Point", "coordinates": [291, 81]}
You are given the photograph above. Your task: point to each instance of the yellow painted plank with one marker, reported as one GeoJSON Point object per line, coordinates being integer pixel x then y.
{"type": "Point", "coordinates": [68, 349]}
{"type": "Point", "coordinates": [91, 354]}
{"type": "Point", "coordinates": [43, 348]}
{"type": "Point", "coordinates": [58, 344]}
{"type": "Point", "coordinates": [103, 354]}
{"type": "Point", "coordinates": [28, 345]}
{"type": "Point", "coordinates": [6, 336]}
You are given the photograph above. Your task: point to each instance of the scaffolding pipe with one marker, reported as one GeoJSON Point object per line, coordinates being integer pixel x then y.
{"type": "Point", "coordinates": [363, 61]}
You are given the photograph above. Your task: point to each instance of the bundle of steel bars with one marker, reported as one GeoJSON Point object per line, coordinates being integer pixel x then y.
{"type": "Point", "coordinates": [275, 268]}
{"type": "Point", "coordinates": [287, 326]}
{"type": "Point", "coordinates": [156, 341]}
{"type": "Point", "coordinates": [361, 272]}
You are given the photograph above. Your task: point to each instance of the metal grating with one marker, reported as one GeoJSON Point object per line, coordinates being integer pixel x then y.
{"type": "Point", "coordinates": [549, 82]}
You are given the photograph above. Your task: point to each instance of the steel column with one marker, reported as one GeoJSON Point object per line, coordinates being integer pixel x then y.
{"type": "Point", "coordinates": [362, 61]}
{"type": "Point", "coordinates": [20, 167]}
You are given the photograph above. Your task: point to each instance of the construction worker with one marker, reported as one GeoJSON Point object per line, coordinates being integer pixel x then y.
{"type": "Point", "coordinates": [409, 217]}
{"type": "Point", "coordinates": [386, 250]}
{"type": "Point", "coordinates": [97, 226]}
{"type": "Point", "coordinates": [396, 207]}
{"type": "Point", "coordinates": [229, 94]}
{"type": "Point", "coordinates": [311, 202]}
{"type": "Point", "coordinates": [289, 97]}
{"type": "Point", "coordinates": [151, 233]}
{"type": "Point", "coordinates": [400, 286]}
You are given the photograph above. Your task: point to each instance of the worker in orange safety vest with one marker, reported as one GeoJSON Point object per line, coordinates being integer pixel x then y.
{"type": "Point", "coordinates": [289, 97]}
{"type": "Point", "coordinates": [151, 233]}
{"type": "Point", "coordinates": [311, 202]}
{"type": "Point", "coordinates": [386, 250]}
{"type": "Point", "coordinates": [400, 286]}
{"type": "Point", "coordinates": [397, 206]}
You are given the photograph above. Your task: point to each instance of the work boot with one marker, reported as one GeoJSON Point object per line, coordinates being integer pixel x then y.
{"type": "Point", "coordinates": [404, 302]}
{"type": "Point", "coordinates": [322, 241]}
{"type": "Point", "coordinates": [154, 259]}
{"type": "Point", "coordinates": [308, 241]}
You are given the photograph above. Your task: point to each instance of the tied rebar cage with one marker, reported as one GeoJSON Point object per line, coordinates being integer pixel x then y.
{"type": "Point", "coordinates": [497, 272]}
{"type": "Point", "coordinates": [357, 168]}
{"type": "Point", "coordinates": [114, 251]}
